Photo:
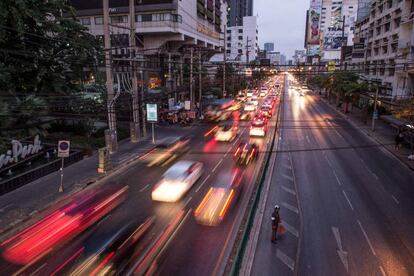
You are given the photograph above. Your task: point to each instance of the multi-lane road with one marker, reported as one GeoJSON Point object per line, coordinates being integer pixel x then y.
{"type": "Point", "coordinates": [346, 203]}
{"type": "Point", "coordinates": [195, 249]}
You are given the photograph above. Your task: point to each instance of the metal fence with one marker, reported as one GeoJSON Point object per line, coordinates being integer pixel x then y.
{"type": "Point", "coordinates": [18, 181]}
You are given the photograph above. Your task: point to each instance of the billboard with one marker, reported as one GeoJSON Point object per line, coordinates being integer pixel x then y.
{"type": "Point", "coordinates": [313, 24]}
{"type": "Point", "coordinates": [332, 37]}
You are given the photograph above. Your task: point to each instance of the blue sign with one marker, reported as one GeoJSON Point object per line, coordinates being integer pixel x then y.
{"type": "Point", "coordinates": [375, 115]}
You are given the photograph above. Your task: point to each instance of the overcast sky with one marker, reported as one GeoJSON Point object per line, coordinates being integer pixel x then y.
{"type": "Point", "coordinates": [283, 23]}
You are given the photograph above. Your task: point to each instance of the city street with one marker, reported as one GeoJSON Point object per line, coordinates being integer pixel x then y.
{"type": "Point", "coordinates": [346, 203]}
{"type": "Point", "coordinates": [206, 248]}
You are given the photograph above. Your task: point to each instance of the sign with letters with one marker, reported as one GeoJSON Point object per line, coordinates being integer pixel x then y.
{"type": "Point", "coordinates": [19, 151]}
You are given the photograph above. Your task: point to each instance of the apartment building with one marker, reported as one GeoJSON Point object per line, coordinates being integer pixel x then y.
{"type": "Point", "coordinates": [242, 41]}
{"type": "Point", "coordinates": [385, 47]}
{"type": "Point", "coordinates": [165, 29]}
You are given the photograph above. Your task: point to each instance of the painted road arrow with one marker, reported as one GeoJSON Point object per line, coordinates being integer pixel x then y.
{"type": "Point", "coordinates": [343, 255]}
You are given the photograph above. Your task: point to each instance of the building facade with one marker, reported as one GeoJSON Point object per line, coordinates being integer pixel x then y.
{"type": "Point", "coordinates": [237, 10]}
{"type": "Point", "coordinates": [385, 40]}
{"type": "Point", "coordinates": [242, 41]}
{"type": "Point", "coordinates": [269, 46]}
{"type": "Point", "coordinates": [299, 57]}
{"type": "Point", "coordinates": [330, 25]}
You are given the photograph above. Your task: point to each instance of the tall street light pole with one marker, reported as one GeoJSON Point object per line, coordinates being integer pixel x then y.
{"type": "Point", "coordinates": [224, 60]}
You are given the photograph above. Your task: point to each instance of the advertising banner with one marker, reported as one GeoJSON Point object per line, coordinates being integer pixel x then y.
{"type": "Point", "coordinates": [332, 39]}
{"type": "Point", "coordinates": [314, 21]}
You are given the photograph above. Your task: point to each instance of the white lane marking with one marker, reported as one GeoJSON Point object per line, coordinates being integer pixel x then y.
{"type": "Point", "coordinates": [395, 199]}
{"type": "Point", "coordinates": [218, 164]}
{"type": "Point", "coordinates": [366, 237]}
{"type": "Point", "coordinates": [287, 177]}
{"type": "Point", "coordinates": [368, 169]}
{"type": "Point", "coordinates": [144, 188]}
{"type": "Point", "coordinates": [188, 201]}
{"type": "Point", "coordinates": [38, 269]}
{"type": "Point", "coordinates": [204, 181]}
{"type": "Point", "coordinates": [347, 199]}
{"type": "Point", "coordinates": [285, 259]}
{"type": "Point", "coordinates": [290, 191]}
{"type": "Point", "coordinates": [291, 229]}
{"type": "Point", "coordinates": [382, 271]}
{"type": "Point", "coordinates": [290, 207]}
{"type": "Point", "coordinates": [307, 139]}
{"type": "Point", "coordinates": [6, 207]}
{"type": "Point", "coordinates": [337, 178]}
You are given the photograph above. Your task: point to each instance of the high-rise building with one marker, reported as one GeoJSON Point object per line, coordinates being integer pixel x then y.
{"type": "Point", "coordinates": [242, 41]}
{"type": "Point", "coordinates": [269, 46]}
{"type": "Point", "coordinates": [330, 25]}
{"type": "Point", "coordinates": [238, 10]}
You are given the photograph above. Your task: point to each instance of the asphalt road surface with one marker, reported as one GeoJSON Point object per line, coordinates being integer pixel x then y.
{"type": "Point", "coordinates": [347, 204]}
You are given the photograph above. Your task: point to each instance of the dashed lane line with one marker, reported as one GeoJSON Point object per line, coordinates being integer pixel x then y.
{"type": "Point", "coordinates": [218, 164]}
{"type": "Point", "coordinates": [188, 201]}
{"type": "Point", "coordinates": [201, 185]}
{"type": "Point", "coordinates": [366, 237]}
{"type": "Point", "coordinates": [382, 271]}
{"type": "Point", "coordinates": [290, 207]}
{"type": "Point", "coordinates": [347, 199]}
{"type": "Point", "coordinates": [395, 199]}
{"type": "Point", "coordinates": [285, 259]}
{"type": "Point", "coordinates": [337, 178]}
{"type": "Point", "coordinates": [144, 188]}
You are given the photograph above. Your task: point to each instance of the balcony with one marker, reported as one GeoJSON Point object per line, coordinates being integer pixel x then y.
{"type": "Point", "coordinates": [407, 18]}
{"type": "Point", "coordinates": [158, 23]}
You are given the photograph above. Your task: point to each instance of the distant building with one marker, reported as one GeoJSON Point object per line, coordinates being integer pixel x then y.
{"type": "Point", "coordinates": [290, 62]}
{"type": "Point", "coordinates": [238, 10]}
{"type": "Point", "coordinates": [242, 39]}
{"type": "Point", "coordinates": [282, 59]}
{"type": "Point", "coordinates": [269, 46]}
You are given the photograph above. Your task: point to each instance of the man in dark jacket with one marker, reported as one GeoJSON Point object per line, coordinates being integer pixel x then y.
{"type": "Point", "coordinates": [275, 222]}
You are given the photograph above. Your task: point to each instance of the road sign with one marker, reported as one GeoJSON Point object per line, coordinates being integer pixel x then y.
{"type": "Point", "coordinates": [152, 113]}
{"type": "Point", "coordinates": [187, 105]}
{"type": "Point", "coordinates": [375, 115]}
{"type": "Point", "coordinates": [63, 148]}
{"type": "Point", "coordinates": [331, 66]}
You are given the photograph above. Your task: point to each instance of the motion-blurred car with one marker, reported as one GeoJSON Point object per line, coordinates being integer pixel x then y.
{"type": "Point", "coordinates": [249, 93]}
{"type": "Point", "coordinates": [265, 111]}
{"type": "Point", "coordinates": [258, 128]}
{"type": "Point", "coordinates": [177, 180]}
{"type": "Point", "coordinates": [220, 198]}
{"type": "Point", "coordinates": [245, 116]}
{"type": "Point", "coordinates": [226, 133]}
{"type": "Point", "coordinates": [246, 153]}
{"type": "Point", "coordinates": [249, 107]}
{"type": "Point", "coordinates": [168, 148]}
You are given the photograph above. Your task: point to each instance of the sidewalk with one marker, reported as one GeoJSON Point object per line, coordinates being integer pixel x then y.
{"type": "Point", "coordinates": [384, 134]}
{"type": "Point", "coordinates": [25, 202]}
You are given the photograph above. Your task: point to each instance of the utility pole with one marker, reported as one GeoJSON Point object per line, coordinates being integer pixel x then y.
{"type": "Point", "coordinates": [111, 139]}
{"type": "Point", "coordinates": [191, 79]}
{"type": "Point", "coordinates": [375, 114]}
{"type": "Point", "coordinates": [135, 124]}
{"type": "Point", "coordinates": [144, 125]}
{"type": "Point", "coordinates": [343, 43]}
{"type": "Point", "coordinates": [169, 71]}
{"type": "Point", "coordinates": [199, 83]}
{"type": "Point", "coordinates": [224, 60]}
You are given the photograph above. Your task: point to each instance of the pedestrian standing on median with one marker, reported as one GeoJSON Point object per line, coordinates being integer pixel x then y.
{"type": "Point", "coordinates": [399, 138]}
{"type": "Point", "coordinates": [275, 222]}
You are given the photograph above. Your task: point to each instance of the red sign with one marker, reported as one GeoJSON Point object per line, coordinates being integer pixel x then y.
{"type": "Point", "coordinates": [191, 114]}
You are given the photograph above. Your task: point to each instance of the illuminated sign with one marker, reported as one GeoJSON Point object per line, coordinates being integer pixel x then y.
{"type": "Point", "coordinates": [20, 151]}
{"type": "Point", "coordinates": [204, 30]}
{"type": "Point", "coordinates": [154, 82]}
{"type": "Point", "coordinates": [314, 21]}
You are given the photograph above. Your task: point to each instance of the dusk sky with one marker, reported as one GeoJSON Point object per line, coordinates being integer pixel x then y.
{"type": "Point", "coordinates": [283, 23]}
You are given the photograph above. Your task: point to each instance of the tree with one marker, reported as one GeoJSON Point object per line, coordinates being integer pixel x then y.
{"type": "Point", "coordinates": [43, 55]}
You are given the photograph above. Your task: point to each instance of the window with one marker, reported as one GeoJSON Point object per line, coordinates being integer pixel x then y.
{"type": "Point", "coordinates": [240, 31]}
{"type": "Point", "coordinates": [146, 17]}
{"type": "Point", "coordinates": [229, 31]}
{"type": "Point", "coordinates": [228, 45]}
{"type": "Point", "coordinates": [85, 21]}
{"type": "Point", "coordinates": [119, 19]}
{"type": "Point", "coordinates": [240, 37]}
{"type": "Point", "coordinates": [99, 20]}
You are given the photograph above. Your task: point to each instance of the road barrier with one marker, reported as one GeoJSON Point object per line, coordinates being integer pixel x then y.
{"type": "Point", "coordinates": [20, 180]}
{"type": "Point", "coordinates": [234, 264]}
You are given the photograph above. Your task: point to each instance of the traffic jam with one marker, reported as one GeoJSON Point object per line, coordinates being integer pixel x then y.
{"type": "Point", "coordinates": [181, 186]}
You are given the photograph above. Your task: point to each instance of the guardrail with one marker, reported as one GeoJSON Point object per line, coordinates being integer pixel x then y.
{"type": "Point", "coordinates": [18, 181]}
{"type": "Point", "coordinates": [241, 246]}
